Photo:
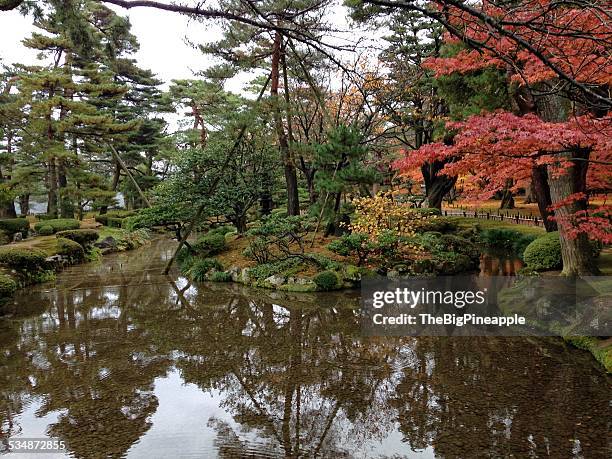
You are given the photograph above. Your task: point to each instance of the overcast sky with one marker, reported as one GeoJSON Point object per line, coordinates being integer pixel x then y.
{"type": "Point", "coordinates": [161, 36]}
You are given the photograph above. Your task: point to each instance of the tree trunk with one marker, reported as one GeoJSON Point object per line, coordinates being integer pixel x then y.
{"type": "Point", "coordinates": [507, 200]}
{"type": "Point", "coordinates": [541, 192]}
{"type": "Point", "coordinates": [293, 203]}
{"type": "Point", "coordinates": [436, 185]}
{"type": "Point", "coordinates": [52, 188]}
{"type": "Point", "coordinates": [240, 223]}
{"type": "Point", "coordinates": [24, 203]}
{"type": "Point", "coordinates": [66, 205]}
{"type": "Point", "coordinates": [529, 195]}
{"type": "Point", "coordinates": [8, 209]}
{"type": "Point", "coordinates": [115, 183]}
{"type": "Point", "coordinates": [575, 249]}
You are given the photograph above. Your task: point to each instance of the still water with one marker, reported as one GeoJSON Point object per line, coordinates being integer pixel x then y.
{"type": "Point", "coordinates": [119, 361]}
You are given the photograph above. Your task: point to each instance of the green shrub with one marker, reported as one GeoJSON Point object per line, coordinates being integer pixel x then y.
{"type": "Point", "coordinates": [118, 214]}
{"type": "Point", "coordinates": [354, 244]}
{"type": "Point", "coordinates": [70, 249]}
{"type": "Point", "coordinates": [447, 263]}
{"type": "Point", "coordinates": [93, 254]}
{"type": "Point", "coordinates": [452, 243]}
{"type": "Point", "coordinates": [439, 224]}
{"type": "Point", "coordinates": [387, 245]}
{"type": "Point", "coordinates": [183, 254]}
{"type": "Point", "coordinates": [23, 260]}
{"type": "Point", "coordinates": [223, 230]}
{"type": "Point", "coordinates": [84, 237]}
{"type": "Point", "coordinates": [4, 238]}
{"type": "Point", "coordinates": [265, 270]}
{"type": "Point", "coordinates": [282, 237]}
{"type": "Point", "coordinates": [428, 211]}
{"type": "Point", "coordinates": [132, 240]}
{"type": "Point", "coordinates": [519, 246]}
{"type": "Point", "coordinates": [506, 240]}
{"type": "Point", "coordinates": [201, 267]}
{"type": "Point", "coordinates": [42, 217]}
{"type": "Point", "coordinates": [326, 280]}
{"type": "Point", "coordinates": [544, 253]}
{"type": "Point", "coordinates": [7, 286]}
{"type": "Point", "coordinates": [102, 219]}
{"type": "Point", "coordinates": [45, 230]}
{"type": "Point", "coordinates": [211, 243]}
{"type": "Point", "coordinates": [186, 263]}
{"type": "Point", "coordinates": [59, 224]}
{"type": "Point", "coordinates": [221, 276]}
{"type": "Point", "coordinates": [258, 250]}
{"type": "Point", "coordinates": [325, 262]}
{"type": "Point", "coordinates": [14, 225]}
{"type": "Point", "coordinates": [114, 222]}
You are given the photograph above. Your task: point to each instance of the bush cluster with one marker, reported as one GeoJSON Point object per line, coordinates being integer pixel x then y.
{"type": "Point", "coordinates": [45, 230]}
{"type": "Point", "coordinates": [58, 224]}
{"type": "Point", "coordinates": [117, 217]}
{"type": "Point", "coordinates": [278, 238]}
{"type": "Point", "coordinates": [71, 249]}
{"type": "Point", "coordinates": [84, 237]}
{"type": "Point", "coordinates": [211, 243]}
{"type": "Point", "coordinates": [220, 276]}
{"type": "Point", "coordinates": [133, 239]}
{"type": "Point", "coordinates": [544, 253]}
{"type": "Point", "coordinates": [506, 239]}
{"type": "Point", "coordinates": [7, 286]}
{"type": "Point", "coordinates": [14, 225]}
{"type": "Point", "coordinates": [327, 280]}
{"type": "Point", "coordinates": [384, 250]}
{"type": "Point", "coordinates": [200, 267]}
{"type": "Point", "coordinates": [23, 260]}
{"type": "Point", "coordinates": [265, 270]}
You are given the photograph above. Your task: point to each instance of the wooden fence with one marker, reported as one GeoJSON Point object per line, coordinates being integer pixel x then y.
{"type": "Point", "coordinates": [499, 216]}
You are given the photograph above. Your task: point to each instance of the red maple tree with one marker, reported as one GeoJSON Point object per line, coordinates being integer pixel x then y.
{"type": "Point", "coordinates": [548, 53]}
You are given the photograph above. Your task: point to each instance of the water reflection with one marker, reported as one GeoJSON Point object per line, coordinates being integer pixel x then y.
{"type": "Point", "coordinates": [499, 265]}
{"type": "Point", "coordinates": [125, 362]}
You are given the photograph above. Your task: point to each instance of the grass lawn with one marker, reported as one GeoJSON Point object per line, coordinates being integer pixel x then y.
{"type": "Point", "coordinates": [467, 222]}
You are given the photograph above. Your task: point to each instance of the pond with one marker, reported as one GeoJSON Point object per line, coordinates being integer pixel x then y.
{"type": "Point", "coordinates": [117, 360]}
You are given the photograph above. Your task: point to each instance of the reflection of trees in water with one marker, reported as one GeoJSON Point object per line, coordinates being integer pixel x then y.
{"type": "Point", "coordinates": [89, 365]}
{"type": "Point", "coordinates": [297, 376]}
{"type": "Point", "coordinates": [482, 395]}
{"type": "Point", "coordinates": [293, 372]}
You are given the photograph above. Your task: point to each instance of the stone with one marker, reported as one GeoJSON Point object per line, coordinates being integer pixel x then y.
{"type": "Point", "coordinates": [234, 273]}
{"type": "Point", "coordinates": [245, 275]}
{"type": "Point", "coordinates": [17, 237]}
{"type": "Point", "coordinates": [107, 243]}
{"type": "Point", "coordinates": [276, 280]}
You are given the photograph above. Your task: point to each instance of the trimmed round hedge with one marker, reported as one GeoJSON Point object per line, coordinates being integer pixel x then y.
{"type": "Point", "coordinates": [70, 249]}
{"type": "Point", "coordinates": [544, 253]}
{"type": "Point", "coordinates": [82, 236]}
{"type": "Point", "coordinates": [14, 225]}
{"type": "Point", "coordinates": [7, 286]}
{"type": "Point", "coordinates": [23, 260]}
{"type": "Point", "coordinates": [116, 215]}
{"type": "Point", "coordinates": [45, 230]}
{"type": "Point", "coordinates": [326, 280]}
{"type": "Point", "coordinates": [59, 224]}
